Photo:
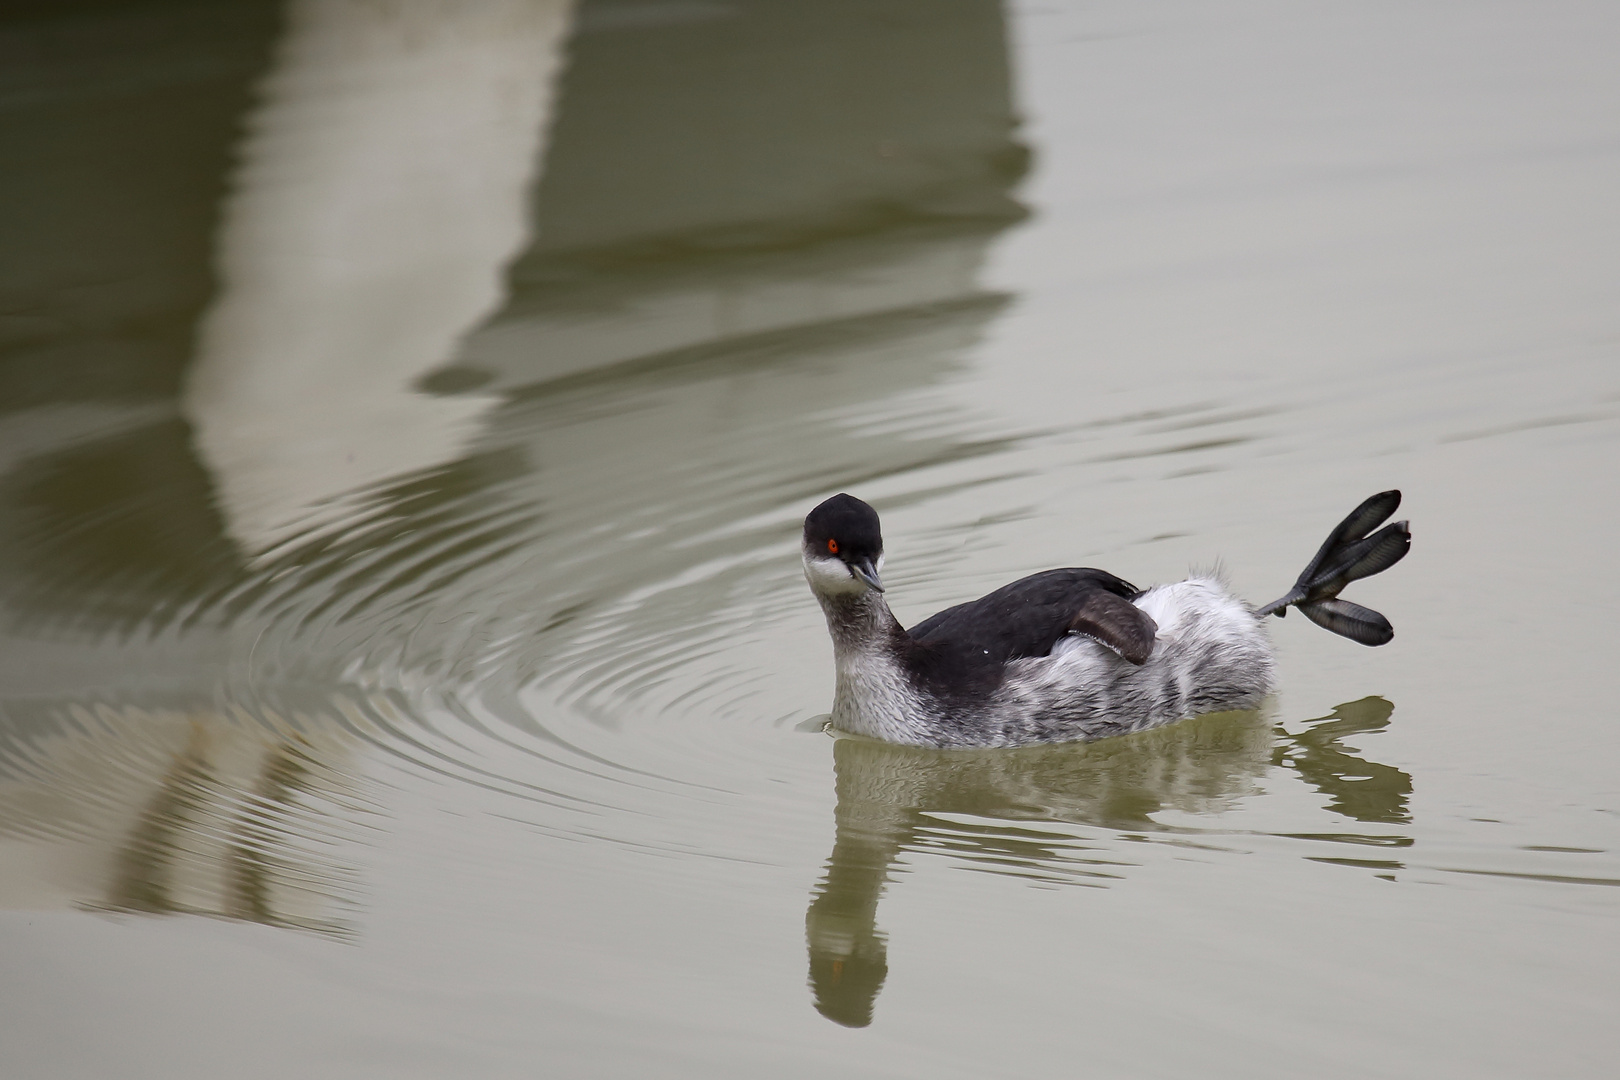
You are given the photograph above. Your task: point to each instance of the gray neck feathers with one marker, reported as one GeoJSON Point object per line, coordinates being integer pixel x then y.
{"type": "Point", "coordinates": [874, 696]}
{"type": "Point", "coordinates": [861, 623]}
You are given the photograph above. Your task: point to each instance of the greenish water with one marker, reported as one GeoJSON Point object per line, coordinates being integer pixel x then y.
{"type": "Point", "coordinates": [406, 416]}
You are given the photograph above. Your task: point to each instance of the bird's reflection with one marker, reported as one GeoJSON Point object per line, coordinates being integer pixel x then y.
{"type": "Point", "coordinates": [1357, 788]}
{"type": "Point", "coordinates": [898, 799]}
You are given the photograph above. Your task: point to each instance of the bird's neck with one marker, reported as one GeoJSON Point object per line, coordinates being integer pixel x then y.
{"type": "Point", "coordinates": [875, 694]}
{"type": "Point", "coordinates": [861, 624]}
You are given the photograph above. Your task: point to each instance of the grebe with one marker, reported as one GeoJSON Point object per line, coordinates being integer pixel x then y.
{"type": "Point", "coordinates": [1067, 654]}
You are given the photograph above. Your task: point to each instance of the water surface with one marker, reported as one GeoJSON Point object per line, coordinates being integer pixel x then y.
{"type": "Point", "coordinates": [406, 418]}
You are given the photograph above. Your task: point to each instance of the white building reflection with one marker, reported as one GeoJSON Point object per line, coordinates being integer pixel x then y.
{"type": "Point", "coordinates": [382, 191]}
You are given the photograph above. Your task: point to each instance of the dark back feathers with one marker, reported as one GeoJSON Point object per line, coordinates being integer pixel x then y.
{"type": "Point", "coordinates": [1026, 618]}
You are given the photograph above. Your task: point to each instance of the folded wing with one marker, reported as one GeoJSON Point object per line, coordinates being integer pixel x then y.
{"type": "Point", "coordinates": [1028, 617]}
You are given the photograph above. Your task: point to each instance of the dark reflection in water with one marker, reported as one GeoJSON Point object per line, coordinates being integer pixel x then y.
{"type": "Point", "coordinates": [117, 125]}
{"type": "Point", "coordinates": [113, 534]}
{"type": "Point", "coordinates": [1356, 788]}
{"type": "Point", "coordinates": [898, 799]}
{"type": "Point", "coordinates": [694, 130]}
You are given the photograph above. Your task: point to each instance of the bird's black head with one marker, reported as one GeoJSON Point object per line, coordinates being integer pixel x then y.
{"type": "Point", "coordinates": [843, 546]}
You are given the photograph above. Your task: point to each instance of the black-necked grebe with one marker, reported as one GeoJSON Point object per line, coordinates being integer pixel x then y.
{"type": "Point", "coordinates": [1067, 654]}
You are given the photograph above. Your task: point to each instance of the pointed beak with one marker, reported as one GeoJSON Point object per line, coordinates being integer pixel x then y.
{"type": "Point", "coordinates": [867, 573]}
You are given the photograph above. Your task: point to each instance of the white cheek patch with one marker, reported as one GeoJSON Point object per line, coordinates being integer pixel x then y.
{"type": "Point", "coordinates": [831, 576]}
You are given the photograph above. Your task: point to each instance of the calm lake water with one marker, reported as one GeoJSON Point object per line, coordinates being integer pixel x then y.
{"type": "Point", "coordinates": [407, 411]}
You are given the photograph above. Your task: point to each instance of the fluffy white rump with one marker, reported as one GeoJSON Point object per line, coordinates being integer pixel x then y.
{"type": "Point", "coordinates": [1210, 654]}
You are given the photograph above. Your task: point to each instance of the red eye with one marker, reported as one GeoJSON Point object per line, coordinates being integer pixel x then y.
{"type": "Point", "coordinates": [832, 546]}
